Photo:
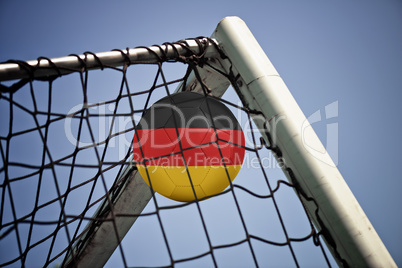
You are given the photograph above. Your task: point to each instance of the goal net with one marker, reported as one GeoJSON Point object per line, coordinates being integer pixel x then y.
{"type": "Point", "coordinates": [71, 194]}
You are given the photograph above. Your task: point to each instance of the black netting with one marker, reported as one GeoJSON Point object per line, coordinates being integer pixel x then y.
{"type": "Point", "coordinates": [66, 147]}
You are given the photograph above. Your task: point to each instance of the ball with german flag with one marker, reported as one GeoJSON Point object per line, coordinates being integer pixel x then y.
{"type": "Point", "coordinates": [187, 146]}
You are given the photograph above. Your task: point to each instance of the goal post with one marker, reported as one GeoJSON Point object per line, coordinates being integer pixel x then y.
{"type": "Point", "coordinates": [336, 213]}
{"type": "Point", "coordinates": [231, 56]}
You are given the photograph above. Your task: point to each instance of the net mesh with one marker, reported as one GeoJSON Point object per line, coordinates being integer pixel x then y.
{"type": "Point", "coordinates": [66, 146]}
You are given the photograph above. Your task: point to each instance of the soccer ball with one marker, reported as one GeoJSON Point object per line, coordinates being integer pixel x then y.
{"type": "Point", "coordinates": [188, 146]}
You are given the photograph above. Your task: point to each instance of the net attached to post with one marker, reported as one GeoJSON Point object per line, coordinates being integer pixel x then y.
{"type": "Point", "coordinates": [66, 154]}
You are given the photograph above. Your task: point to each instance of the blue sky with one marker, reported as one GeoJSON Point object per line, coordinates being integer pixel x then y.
{"type": "Point", "coordinates": [347, 52]}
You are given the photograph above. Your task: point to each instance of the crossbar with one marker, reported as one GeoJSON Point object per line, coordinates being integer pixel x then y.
{"type": "Point", "coordinates": [93, 61]}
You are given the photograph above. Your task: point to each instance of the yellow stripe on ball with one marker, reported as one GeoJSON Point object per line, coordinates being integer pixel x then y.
{"type": "Point", "coordinates": [173, 181]}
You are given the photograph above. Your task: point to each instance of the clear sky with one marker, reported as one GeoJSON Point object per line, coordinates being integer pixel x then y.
{"type": "Point", "coordinates": [347, 52]}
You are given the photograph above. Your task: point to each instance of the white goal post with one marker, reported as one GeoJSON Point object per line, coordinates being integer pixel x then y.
{"type": "Point", "coordinates": [330, 203]}
{"type": "Point", "coordinates": [339, 213]}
